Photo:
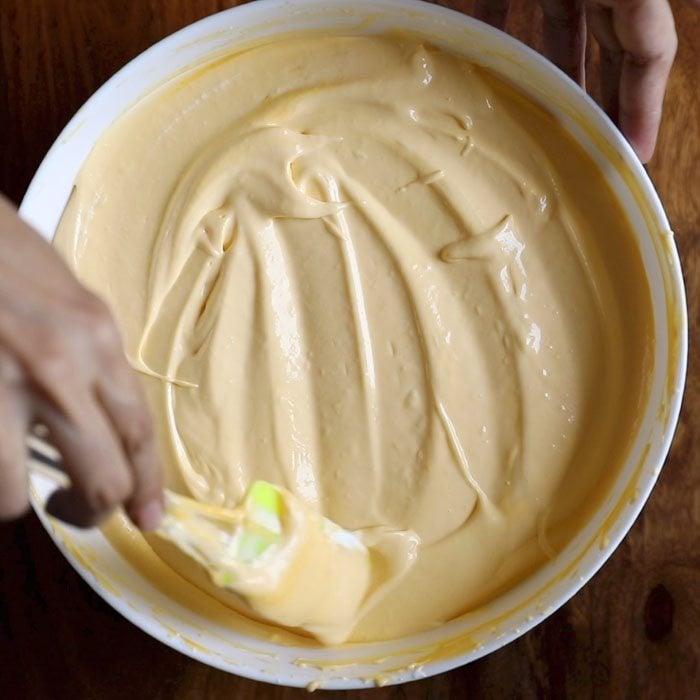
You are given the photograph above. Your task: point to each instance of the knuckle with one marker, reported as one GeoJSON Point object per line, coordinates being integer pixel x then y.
{"type": "Point", "coordinates": [138, 434]}
{"type": "Point", "coordinates": [53, 359]}
{"type": "Point", "coordinates": [61, 350]}
{"type": "Point", "coordinates": [108, 492]}
{"type": "Point", "coordinates": [98, 322]}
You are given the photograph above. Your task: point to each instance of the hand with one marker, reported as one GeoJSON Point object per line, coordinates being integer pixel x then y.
{"type": "Point", "coordinates": [62, 364]}
{"type": "Point", "coordinates": [638, 42]}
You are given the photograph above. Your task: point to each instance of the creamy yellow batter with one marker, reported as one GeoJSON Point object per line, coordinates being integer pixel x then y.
{"type": "Point", "coordinates": [368, 271]}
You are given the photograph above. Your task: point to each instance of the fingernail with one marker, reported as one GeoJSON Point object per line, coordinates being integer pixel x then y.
{"type": "Point", "coordinates": [150, 515]}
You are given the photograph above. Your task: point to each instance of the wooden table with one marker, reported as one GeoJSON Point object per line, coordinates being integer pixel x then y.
{"type": "Point", "coordinates": [634, 631]}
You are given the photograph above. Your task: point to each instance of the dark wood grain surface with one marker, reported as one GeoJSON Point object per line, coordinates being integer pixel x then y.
{"type": "Point", "coordinates": [634, 631]}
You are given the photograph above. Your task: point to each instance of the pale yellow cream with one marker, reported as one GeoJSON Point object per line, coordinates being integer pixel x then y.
{"type": "Point", "coordinates": [368, 271]}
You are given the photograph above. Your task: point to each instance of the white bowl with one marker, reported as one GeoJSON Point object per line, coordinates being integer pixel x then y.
{"type": "Point", "coordinates": [476, 634]}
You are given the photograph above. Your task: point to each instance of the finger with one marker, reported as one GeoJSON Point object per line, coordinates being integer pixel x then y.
{"type": "Point", "coordinates": [14, 422]}
{"type": "Point", "coordinates": [647, 35]}
{"type": "Point", "coordinates": [600, 23]}
{"type": "Point", "coordinates": [493, 12]}
{"type": "Point", "coordinates": [121, 396]}
{"type": "Point", "coordinates": [132, 421]}
{"type": "Point", "coordinates": [93, 458]}
{"type": "Point", "coordinates": [80, 354]}
{"type": "Point", "coordinates": [564, 36]}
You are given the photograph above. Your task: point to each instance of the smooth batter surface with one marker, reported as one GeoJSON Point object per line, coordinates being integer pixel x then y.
{"type": "Point", "coordinates": [368, 271]}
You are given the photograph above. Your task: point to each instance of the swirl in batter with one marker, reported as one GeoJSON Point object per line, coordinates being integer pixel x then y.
{"type": "Point", "coordinates": [369, 271]}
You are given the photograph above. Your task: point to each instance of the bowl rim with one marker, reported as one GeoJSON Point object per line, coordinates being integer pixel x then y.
{"type": "Point", "coordinates": [612, 144]}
